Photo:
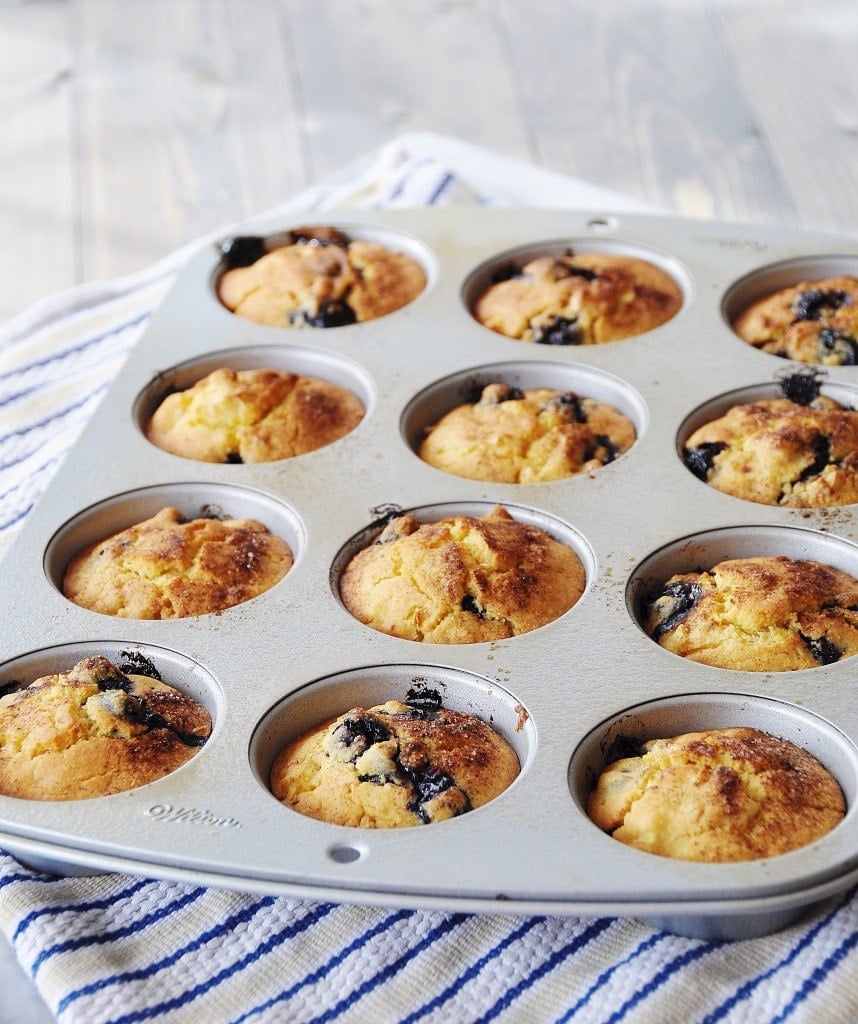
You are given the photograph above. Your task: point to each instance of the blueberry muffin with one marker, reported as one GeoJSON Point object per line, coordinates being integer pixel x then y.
{"type": "Point", "coordinates": [718, 796]}
{"type": "Point", "coordinates": [394, 766]}
{"type": "Point", "coordinates": [524, 437]}
{"type": "Point", "coordinates": [253, 416]}
{"type": "Point", "coordinates": [315, 277]}
{"type": "Point", "coordinates": [578, 299]}
{"type": "Point", "coordinates": [461, 580]}
{"type": "Point", "coordinates": [94, 730]}
{"type": "Point", "coordinates": [799, 451]}
{"type": "Point", "coordinates": [765, 614]}
{"type": "Point", "coordinates": [810, 322]}
{"type": "Point", "coordinates": [170, 567]}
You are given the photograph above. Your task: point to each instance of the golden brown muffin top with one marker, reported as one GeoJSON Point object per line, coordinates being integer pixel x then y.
{"type": "Point", "coordinates": [769, 613]}
{"type": "Point", "coordinates": [171, 567]}
{"type": "Point", "coordinates": [256, 415]}
{"type": "Point", "coordinates": [810, 322]}
{"type": "Point", "coordinates": [316, 277]}
{"type": "Point", "coordinates": [465, 579]}
{"type": "Point", "coordinates": [530, 436]}
{"type": "Point", "coordinates": [394, 765]}
{"type": "Point", "coordinates": [799, 451]}
{"type": "Point", "coordinates": [94, 730]}
{"type": "Point", "coordinates": [721, 795]}
{"type": "Point", "coordinates": [579, 299]}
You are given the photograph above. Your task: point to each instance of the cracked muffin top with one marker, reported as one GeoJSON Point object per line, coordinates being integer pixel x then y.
{"type": "Point", "coordinates": [94, 730]}
{"type": "Point", "coordinates": [395, 765]}
{"type": "Point", "coordinates": [169, 567]}
{"type": "Point", "coordinates": [514, 436]}
{"type": "Point", "coordinates": [315, 277]}
{"type": "Point", "coordinates": [461, 580]}
{"type": "Point", "coordinates": [717, 796]}
{"type": "Point", "coordinates": [763, 614]}
{"type": "Point", "coordinates": [578, 299]}
{"type": "Point", "coordinates": [799, 451]}
{"type": "Point", "coordinates": [810, 322]}
{"type": "Point", "coordinates": [253, 416]}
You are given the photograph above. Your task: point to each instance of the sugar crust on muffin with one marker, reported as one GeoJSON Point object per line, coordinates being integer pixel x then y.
{"type": "Point", "coordinates": [809, 322]}
{"type": "Point", "coordinates": [768, 613]}
{"type": "Point", "coordinates": [510, 435]}
{"type": "Point", "coordinates": [579, 299]}
{"type": "Point", "coordinates": [169, 566]}
{"type": "Point", "coordinates": [464, 579]}
{"type": "Point", "coordinates": [94, 730]}
{"type": "Point", "coordinates": [395, 765]}
{"type": "Point", "coordinates": [258, 415]}
{"type": "Point", "coordinates": [722, 795]}
{"type": "Point", "coordinates": [316, 277]}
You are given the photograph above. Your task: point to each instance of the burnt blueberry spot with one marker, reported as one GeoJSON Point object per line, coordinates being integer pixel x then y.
{"type": "Point", "coordinates": [423, 698]}
{"type": "Point", "coordinates": [801, 387]}
{"type": "Point", "coordinates": [560, 330]}
{"type": "Point", "coordinates": [605, 450]}
{"type": "Point", "coordinates": [242, 251]}
{"type": "Point", "coordinates": [234, 459]}
{"type": "Point", "coordinates": [700, 460]}
{"type": "Point", "coordinates": [426, 783]}
{"type": "Point", "coordinates": [588, 275]}
{"type": "Point", "coordinates": [508, 272]}
{"type": "Point", "coordinates": [138, 664]}
{"type": "Point", "coordinates": [333, 314]}
{"type": "Point", "coordinates": [382, 515]}
{"type": "Point", "coordinates": [469, 604]}
{"type": "Point", "coordinates": [811, 305]}
{"type": "Point", "coordinates": [821, 448]}
{"type": "Point", "coordinates": [822, 649]}
{"type": "Point", "coordinates": [624, 746]}
{"type": "Point", "coordinates": [839, 344]}
{"type": "Point", "coordinates": [135, 710]}
{"type": "Point", "coordinates": [360, 734]}
{"type": "Point", "coordinates": [572, 403]}
{"type": "Point", "coordinates": [677, 599]}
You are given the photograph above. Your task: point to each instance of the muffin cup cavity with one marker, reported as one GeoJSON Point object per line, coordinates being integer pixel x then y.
{"type": "Point", "coordinates": [500, 265]}
{"type": "Point", "coordinates": [368, 686]}
{"type": "Point", "coordinates": [435, 401]}
{"type": "Point", "coordinates": [783, 274]}
{"type": "Point", "coordinates": [193, 500]}
{"type": "Point", "coordinates": [326, 366]}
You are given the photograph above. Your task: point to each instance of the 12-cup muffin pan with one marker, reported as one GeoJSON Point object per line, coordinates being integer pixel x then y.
{"type": "Point", "coordinates": [289, 659]}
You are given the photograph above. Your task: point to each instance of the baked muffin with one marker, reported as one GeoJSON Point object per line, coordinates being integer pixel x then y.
{"type": "Point", "coordinates": [800, 450]}
{"type": "Point", "coordinates": [524, 437]}
{"type": "Point", "coordinates": [253, 416]}
{"type": "Point", "coordinates": [94, 730]}
{"type": "Point", "coordinates": [169, 567]}
{"type": "Point", "coordinates": [717, 796]}
{"type": "Point", "coordinates": [461, 580]}
{"type": "Point", "coordinates": [393, 766]}
{"type": "Point", "coordinates": [579, 299]}
{"type": "Point", "coordinates": [765, 614]}
{"type": "Point", "coordinates": [810, 322]}
{"type": "Point", "coordinates": [315, 277]}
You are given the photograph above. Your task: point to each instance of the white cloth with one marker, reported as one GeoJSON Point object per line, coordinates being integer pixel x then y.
{"type": "Point", "coordinates": [112, 949]}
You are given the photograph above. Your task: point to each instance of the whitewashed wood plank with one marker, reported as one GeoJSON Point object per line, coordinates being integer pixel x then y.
{"type": "Point", "coordinates": [640, 97]}
{"type": "Point", "coordinates": [370, 70]}
{"type": "Point", "coordinates": [37, 215]}
{"type": "Point", "coordinates": [796, 65]}
{"type": "Point", "coordinates": [188, 119]}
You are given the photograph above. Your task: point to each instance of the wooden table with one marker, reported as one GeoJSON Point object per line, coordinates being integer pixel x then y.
{"type": "Point", "coordinates": [133, 126]}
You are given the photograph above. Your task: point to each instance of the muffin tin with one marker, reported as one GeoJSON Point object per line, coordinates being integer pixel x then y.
{"type": "Point", "coordinates": [279, 664]}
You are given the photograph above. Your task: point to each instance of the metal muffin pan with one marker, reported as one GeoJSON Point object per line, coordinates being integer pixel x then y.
{"type": "Point", "coordinates": [271, 667]}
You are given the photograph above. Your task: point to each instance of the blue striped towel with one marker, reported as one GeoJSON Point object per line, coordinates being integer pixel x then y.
{"type": "Point", "coordinates": [110, 949]}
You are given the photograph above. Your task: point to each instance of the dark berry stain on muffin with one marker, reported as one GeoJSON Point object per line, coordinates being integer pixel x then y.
{"type": "Point", "coordinates": [801, 387]}
{"type": "Point", "coordinates": [559, 330]}
{"type": "Point", "coordinates": [673, 605]}
{"type": "Point", "coordinates": [838, 344]}
{"type": "Point", "coordinates": [571, 403]}
{"type": "Point", "coordinates": [355, 734]}
{"type": "Point", "coordinates": [424, 698]}
{"type": "Point", "coordinates": [813, 304]}
{"type": "Point", "coordinates": [242, 251]}
{"type": "Point", "coordinates": [469, 604]}
{"type": "Point", "coordinates": [509, 272]}
{"type": "Point", "coordinates": [427, 783]}
{"type": "Point", "coordinates": [138, 664]}
{"type": "Point", "coordinates": [135, 709]}
{"type": "Point", "coordinates": [700, 460]}
{"type": "Point", "coordinates": [821, 447]}
{"type": "Point", "coordinates": [822, 649]}
{"type": "Point", "coordinates": [624, 746]}
{"type": "Point", "coordinates": [332, 314]}
{"type": "Point", "coordinates": [602, 449]}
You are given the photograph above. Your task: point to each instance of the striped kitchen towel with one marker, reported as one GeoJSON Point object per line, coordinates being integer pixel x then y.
{"type": "Point", "coordinates": [110, 949]}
